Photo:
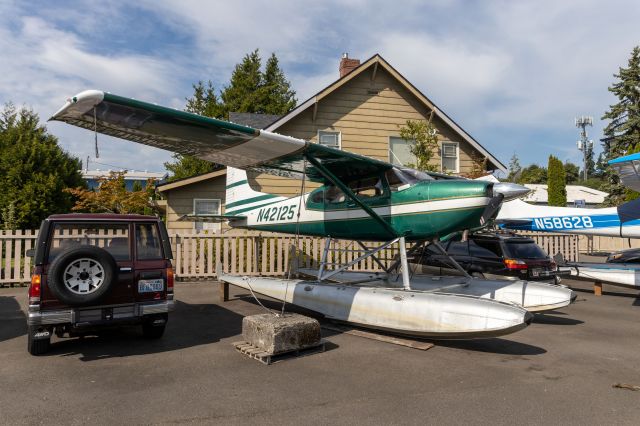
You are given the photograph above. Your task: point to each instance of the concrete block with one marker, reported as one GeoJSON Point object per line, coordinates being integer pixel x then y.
{"type": "Point", "coordinates": [279, 334]}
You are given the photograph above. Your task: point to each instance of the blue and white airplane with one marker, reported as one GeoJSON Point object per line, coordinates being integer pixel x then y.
{"type": "Point", "coordinates": [621, 221]}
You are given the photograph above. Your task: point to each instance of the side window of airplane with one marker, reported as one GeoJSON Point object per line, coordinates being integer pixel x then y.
{"type": "Point", "coordinates": [367, 187]}
{"type": "Point", "coordinates": [327, 194]}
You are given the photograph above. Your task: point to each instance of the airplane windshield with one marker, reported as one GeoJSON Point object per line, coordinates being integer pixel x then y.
{"type": "Point", "coordinates": [400, 178]}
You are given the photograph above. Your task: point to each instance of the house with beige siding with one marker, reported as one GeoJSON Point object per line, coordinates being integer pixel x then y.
{"type": "Point", "coordinates": [361, 112]}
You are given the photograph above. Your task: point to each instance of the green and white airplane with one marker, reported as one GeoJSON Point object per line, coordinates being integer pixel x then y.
{"type": "Point", "coordinates": [361, 199]}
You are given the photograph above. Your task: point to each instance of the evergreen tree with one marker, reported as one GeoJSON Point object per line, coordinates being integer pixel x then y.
{"type": "Point", "coordinates": [622, 134]}
{"type": "Point", "coordinates": [34, 170]}
{"type": "Point", "coordinates": [556, 189]}
{"type": "Point", "coordinates": [572, 172]}
{"type": "Point", "coordinates": [249, 90]}
{"type": "Point", "coordinates": [591, 164]}
{"type": "Point", "coordinates": [277, 96]}
{"type": "Point", "coordinates": [204, 101]}
{"type": "Point", "coordinates": [244, 92]}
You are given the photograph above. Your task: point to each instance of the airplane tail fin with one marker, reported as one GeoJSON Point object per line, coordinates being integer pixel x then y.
{"type": "Point", "coordinates": [239, 195]}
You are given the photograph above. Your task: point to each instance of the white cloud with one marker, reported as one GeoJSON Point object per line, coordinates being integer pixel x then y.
{"type": "Point", "coordinates": [498, 68]}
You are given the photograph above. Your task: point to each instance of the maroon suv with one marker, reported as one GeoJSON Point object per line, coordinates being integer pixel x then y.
{"type": "Point", "coordinates": [97, 270]}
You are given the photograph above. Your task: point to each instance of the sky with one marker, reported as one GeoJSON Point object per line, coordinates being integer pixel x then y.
{"type": "Point", "coordinates": [513, 74]}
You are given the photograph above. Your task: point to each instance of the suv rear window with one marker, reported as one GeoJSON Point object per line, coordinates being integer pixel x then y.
{"type": "Point", "coordinates": [148, 242]}
{"type": "Point", "coordinates": [525, 250]}
{"type": "Point", "coordinates": [113, 237]}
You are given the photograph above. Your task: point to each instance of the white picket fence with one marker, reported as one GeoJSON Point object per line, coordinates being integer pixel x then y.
{"type": "Point", "coordinates": [248, 253]}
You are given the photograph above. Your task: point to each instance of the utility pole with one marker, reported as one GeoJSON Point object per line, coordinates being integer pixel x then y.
{"type": "Point", "coordinates": [584, 143]}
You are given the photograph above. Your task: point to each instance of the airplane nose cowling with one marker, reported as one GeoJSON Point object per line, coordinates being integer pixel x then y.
{"type": "Point", "coordinates": [511, 191]}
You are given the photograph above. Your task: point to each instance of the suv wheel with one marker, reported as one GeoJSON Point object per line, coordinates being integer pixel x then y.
{"type": "Point", "coordinates": [82, 275]}
{"type": "Point", "coordinates": [154, 327]}
{"type": "Point", "coordinates": [39, 340]}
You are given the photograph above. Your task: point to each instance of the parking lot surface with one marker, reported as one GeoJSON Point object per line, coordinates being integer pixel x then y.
{"type": "Point", "coordinates": [560, 370]}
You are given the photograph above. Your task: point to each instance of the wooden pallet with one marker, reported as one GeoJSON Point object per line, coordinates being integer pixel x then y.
{"type": "Point", "coordinates": [266, 358]}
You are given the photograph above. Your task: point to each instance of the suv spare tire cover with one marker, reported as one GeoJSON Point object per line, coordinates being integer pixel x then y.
{"type": "Point", "coordinates": [82, 275]}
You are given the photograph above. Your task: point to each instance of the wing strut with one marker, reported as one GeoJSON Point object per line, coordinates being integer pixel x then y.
{"type": "Point", "coordinates": [344, 188]}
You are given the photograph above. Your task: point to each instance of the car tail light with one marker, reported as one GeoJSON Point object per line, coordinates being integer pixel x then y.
{"type": "Point", "coordinates": [170, 279]}
{"type": "Point", "coordinates": [515, 264]}
{"type": "Point", "coordinates": [34, 289]}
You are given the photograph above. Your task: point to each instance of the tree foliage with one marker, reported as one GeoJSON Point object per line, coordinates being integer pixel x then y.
{"type": "Point", "coordinates": [556, 189]}
{"type": "Point", "coordinates": [478, 167]}
{"type": "Point", "coordinates": [423, 140]}
{"type": "Point", "coordinates": [34, 171]}
{"type": "Point", "coordinates": [532, 174]}
{"type": "Point", "coordinates": [572, 172]}
{"type": "Point", "coordinates": [622, 134]}
{"type": "Point", "coordinates": [249, 90]}
{"type": "Point", "coordinates": [112, 197]}
{"type": "Point", "coordinates": [514, 168]}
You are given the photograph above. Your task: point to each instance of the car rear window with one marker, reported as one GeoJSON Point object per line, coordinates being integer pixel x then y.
{"type": "Point", "coordinates": [525, 250]}
{"type": "Point", "coordinates": [485, 248]}
{"type": "Point", "coordinates": [148, 245]}
{"type": "Point", "coordinates": [113, 237]}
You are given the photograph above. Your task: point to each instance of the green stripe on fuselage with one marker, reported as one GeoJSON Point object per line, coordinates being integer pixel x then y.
{"type": "Point", "coordinates": [416, 226]}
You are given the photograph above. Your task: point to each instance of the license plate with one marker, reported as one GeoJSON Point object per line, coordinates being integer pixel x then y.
{"type": "Point", "coordinates": [150, 286]}
{"type": "Point", "coordinates": [535, 272]}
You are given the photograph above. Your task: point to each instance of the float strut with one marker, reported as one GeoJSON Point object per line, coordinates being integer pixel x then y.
{"type": "Point", "coordinates": [404, 264]}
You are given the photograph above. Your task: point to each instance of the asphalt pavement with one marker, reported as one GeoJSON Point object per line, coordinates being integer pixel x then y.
{"type": "Point", "coordinates": [560, 370]}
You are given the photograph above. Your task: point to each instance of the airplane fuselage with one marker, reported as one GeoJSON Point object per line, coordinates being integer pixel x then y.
{"type": "Point", "coordinates": [421, 211]}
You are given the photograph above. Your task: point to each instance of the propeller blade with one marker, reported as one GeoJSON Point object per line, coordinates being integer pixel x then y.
{"type": "Point", "coordinates": [491, 209]}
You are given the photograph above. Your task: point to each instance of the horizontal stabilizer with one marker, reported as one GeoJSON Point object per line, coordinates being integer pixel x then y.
{"type": "Point", "coordinates": [214, 218]}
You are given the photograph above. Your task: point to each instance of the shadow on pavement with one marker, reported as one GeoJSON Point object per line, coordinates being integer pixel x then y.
{"type": "Point", "coordinates": [13, 322]}
{"type": "Point", "coordinates": [554, 319]}
{"type": "Point", "coordinates": [190, 325]}
{"type": "Point", "coordinates": [495, 345]}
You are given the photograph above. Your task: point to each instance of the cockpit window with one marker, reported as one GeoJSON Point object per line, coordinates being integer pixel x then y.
{"type": "Point", "coordinates": [399, 177]}
{"type": "Point", "coordinates": [366, 188]}
{"type": "Point", "coordinates": [363, 188]}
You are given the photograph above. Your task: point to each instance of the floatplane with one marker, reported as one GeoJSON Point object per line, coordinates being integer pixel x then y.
{"type": "Point", "coordinates": [360, 199]}
{"type": "Point", "coordinates": [622, 221]}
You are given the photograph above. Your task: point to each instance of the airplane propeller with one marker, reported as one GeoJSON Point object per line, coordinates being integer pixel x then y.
{"type": "Point", "coordinates": [492, 208]}
{"type": "Point", "coordinates": [503, 191]}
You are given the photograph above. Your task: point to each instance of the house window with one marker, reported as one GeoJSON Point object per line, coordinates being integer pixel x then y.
{"type": "Point", "coordinates": [400, 151]}
{"type": "Point", "coordinates": [331, 139]}
{"type": "Point", "coordinates": [201, 207]}
{"type": "Point", "coordinates": [450, 157]}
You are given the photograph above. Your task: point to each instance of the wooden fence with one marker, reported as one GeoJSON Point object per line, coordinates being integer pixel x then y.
{"type": "Point", "coordinates": [249, 253]}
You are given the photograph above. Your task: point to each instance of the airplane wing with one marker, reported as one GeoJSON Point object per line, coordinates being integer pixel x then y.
{"type": "Point", "coordinates": [627, 168]}
{"type": "Point", "coordinates": [210, 139]}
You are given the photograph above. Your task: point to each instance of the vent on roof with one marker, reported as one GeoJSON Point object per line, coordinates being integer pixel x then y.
{"type": "Point", "coordinates": [373, 91]}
